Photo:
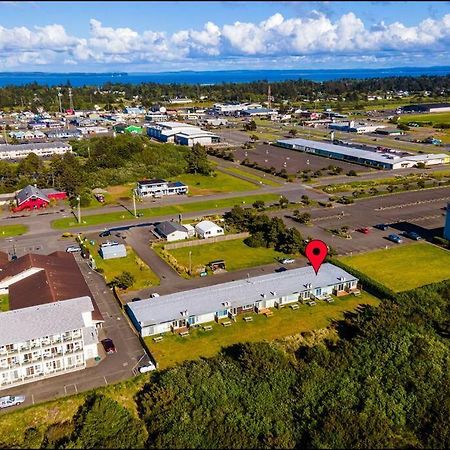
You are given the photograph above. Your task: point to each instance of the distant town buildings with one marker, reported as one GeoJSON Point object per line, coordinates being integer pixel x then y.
{"type": "Point", "coordinates": [44, 149]}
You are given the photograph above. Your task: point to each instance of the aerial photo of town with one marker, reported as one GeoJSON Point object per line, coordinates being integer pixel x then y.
{"type": "Point", "coordinates": [224, 224]}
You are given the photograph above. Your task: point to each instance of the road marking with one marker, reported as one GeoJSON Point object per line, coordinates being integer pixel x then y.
{"type": "Point", "coordinates": [32, 398]}
{"type": "Point", "coordinates": [105, 380]}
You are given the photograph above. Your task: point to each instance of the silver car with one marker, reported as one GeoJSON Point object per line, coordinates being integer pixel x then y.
{"type": "Point", "coordinates": [11, 400]}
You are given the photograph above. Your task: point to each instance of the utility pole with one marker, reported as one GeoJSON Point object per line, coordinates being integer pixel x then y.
{"type": "Point", "coordinates": [79, 209]}
{"type": "Point", "coordinates": [269, 98]}
{"type": "Point", "coordinates": [59, 99]}
{"type": "Point", "coordinates": [134, 203]}
{"type": "Point", "coordinates": [70, 99]}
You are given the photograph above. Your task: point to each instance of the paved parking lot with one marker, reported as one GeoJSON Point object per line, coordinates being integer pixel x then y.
{"type": "Point", "coordinates": [113, 368]}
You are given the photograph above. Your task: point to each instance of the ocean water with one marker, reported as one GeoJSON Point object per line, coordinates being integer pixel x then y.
{"type": "Point", "coordinates": [210, 77]}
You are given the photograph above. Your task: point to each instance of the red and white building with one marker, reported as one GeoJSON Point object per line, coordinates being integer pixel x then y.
{"type": "Point", "coordinates": [32, 197]}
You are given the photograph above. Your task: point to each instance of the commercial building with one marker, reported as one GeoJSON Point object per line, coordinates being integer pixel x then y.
{"type": "Point", "coordinates": [44, 149]}
{"type": "Point", "coordinates": [259, 112]}
{"type": "Point", "coordinates": [32, 197]}
{"type": "Point", "coordinates": [43, 341]}
{"type": "Point", "coordinates": [156, 116]}
{"type": "Point", "coordinates": [233, 108]}
{"type": "Point", "coordinates": [64, 134]}
{"type": "Point", "coordinates": [352, 127]}
{"type": "Point", "coordinates": [207, 229]}
{"type": "Point", "coordinates": [171, 231]}
{"type": "Point", "coordinates": [181, 133]}
{"type": "Point", "coordinates": [426, 108]}
{"type": "Point", "coordinates": [159, 188]}
{"type": "Point", "coordinates": [382, 160]}
{"type": "Point", "coordinates": [189, 308]}
{"type": "Point", "coordinates": [447, 223]}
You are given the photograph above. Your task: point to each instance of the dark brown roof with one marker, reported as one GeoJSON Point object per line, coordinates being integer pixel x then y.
{"type": "Point", "coordinates": [59, 279]}
{"type": "Point", "coordinates": [4, 259]}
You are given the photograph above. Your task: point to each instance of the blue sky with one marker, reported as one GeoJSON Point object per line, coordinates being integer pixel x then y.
{"type": "Point", "coordinates": [155, 36]}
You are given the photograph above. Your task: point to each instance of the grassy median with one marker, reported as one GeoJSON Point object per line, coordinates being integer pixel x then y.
{"type": "Point", "coordinates": [7, 231]}
{"type": "Point", "coordinates": [107, 218]}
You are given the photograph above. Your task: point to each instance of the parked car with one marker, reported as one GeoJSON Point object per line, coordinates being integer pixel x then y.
{"type": "Point", "coordinates": [412, 235]}
{"type": "Point", "coordinates": [287, 261]}
{"type": "Point", "coordinates": [281, 269]}
{"type": "Point", "coordinates": [105, 233]}
{"type": "Point", "coordinates": [109, 243]}
{"type": "Point", "coordinates": [364, 230]}
{"type": "Point", "coordinates": [73, 249]}
{"type": "Point", "coordinates": [154, 295]}
{"type": "Point", "coordinates": [100, 197]}
{"type": "Point", "coordinates": [395, 238]}
{"type": "Point", "coordinates": [11, 400]}
{"type": "Point", "coordinates": [109, 346]}
{"type": "Point", "coordinates": [382, 226]}
{"type": "Point", "coordinates": [148, 368]}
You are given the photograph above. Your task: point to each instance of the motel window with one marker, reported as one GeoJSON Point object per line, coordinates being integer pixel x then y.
{"type": "Point", "coordinates": [247, 307]}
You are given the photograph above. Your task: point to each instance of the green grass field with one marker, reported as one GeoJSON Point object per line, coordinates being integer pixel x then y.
{"type": "Point", "coordinates": [236, 254]}
{"type": "Point", "coordinates": [404, 267]}
{"type": "Point", "coordinates": [284, 322]}
{"type": "Point", "coordinates": [144, 276]}
{"type": "Point", "coordinates": [97, 219]}
{"type": "Point", "coordinates": [7, 231]}
{"type": "Point", "coordinates": [253, 176]}
{"type": "Point", "coordinates": [432, 117]}
{"type": "Point", "coordinates": [4, 303]}
{"type": "Point", "coordinates": [220, 182]}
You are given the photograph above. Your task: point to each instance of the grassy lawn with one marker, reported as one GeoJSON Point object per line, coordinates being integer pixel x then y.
{"type": "Point", "coordinates": [221, 182]}
{"type": "Point", "coordinates": [144, 276]}
{"type": "Point", "coordinates": [118, 193]}
{"type": "Point", "coordinates": [4, 303]}
{"type": "Point", "coordinates": [443, 117]}
{"type": "Point", "coordinates": [236, 254]}
{"type": "Point", "coordinates": [252, 176]}
{"type": "Point", "coordinates": [107, 218]}
{"type": "Point", "coordinates": [7, 231]}
{"type": "Point", "coordinates": [284, 322]}
{"type": "Point", "coordinates": [404, 267]}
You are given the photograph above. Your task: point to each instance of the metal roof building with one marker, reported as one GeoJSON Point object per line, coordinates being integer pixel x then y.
{"type": "Point", "coordinates": [381, 160]}
{"type": "Point", "coordinates": [113, 251]}
{"type": "Point", "coordinates": [156, 315]}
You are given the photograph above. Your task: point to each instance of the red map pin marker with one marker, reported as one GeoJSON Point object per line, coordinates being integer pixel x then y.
{"type": "Point", "coordinates": [316, 251]}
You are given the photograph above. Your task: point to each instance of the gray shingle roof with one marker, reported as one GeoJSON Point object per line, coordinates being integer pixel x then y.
{"type": "Point", "coordinates": [166, 228]}
{"type": "Point", "coordinates": [238, 293]}
{"type": "Point", "coordinates": [30, 191]}
{"type": "Point", "coordinates": [43, 320]}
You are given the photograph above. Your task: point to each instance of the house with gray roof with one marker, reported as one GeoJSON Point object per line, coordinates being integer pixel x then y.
{"type": "Point", "coordinates": [171, 231]}
{"type": "Point", "coordinates": [189, 308]}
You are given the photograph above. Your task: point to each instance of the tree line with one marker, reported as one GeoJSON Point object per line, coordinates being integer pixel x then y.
{"type": "Point", "coordinates": [35, 96]}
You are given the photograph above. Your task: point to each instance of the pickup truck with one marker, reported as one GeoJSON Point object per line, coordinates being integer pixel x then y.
{"type": "Point", "coordinates": [11, 400]}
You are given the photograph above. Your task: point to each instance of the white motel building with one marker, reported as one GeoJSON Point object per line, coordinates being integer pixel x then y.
{"type": "Point", "coordinates": [46, 340]}
{"type": "Point", "coordinates": [197, 306]}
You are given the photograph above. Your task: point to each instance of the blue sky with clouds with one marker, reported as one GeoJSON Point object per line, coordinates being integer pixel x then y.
{"type": "Point", "coordinates": [156, 36]}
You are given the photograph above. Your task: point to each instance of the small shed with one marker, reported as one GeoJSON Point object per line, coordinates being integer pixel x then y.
{"type": "Point", "coordinates": [207, 229]}
{"type": "Point", "coordinates": [113, 251]}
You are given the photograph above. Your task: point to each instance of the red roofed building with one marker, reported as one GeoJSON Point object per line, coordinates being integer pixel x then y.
{"type": "Point", "coordinates": [32, 197]}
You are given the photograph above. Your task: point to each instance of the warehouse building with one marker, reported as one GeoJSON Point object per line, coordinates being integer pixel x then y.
{"type": "Point", "coordinates": [181, 133]}
{"type": "Point", "coordinates": [44, 149]}
{"type": "Point", "coordinates": [426, 108]}
{"type": "Point", "coordinates": [227, 300]}
{"type": "Point", "coordinates": [447, 224]}
{"type": "Point", "coordinates": [353, 127]}
{"type": "Point", "coordinates": [381, 160]}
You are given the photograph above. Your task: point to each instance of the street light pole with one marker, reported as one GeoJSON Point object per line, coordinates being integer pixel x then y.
{"type": "Point", "coordinates": [79, 209]}
{"type": "Point", "coordinates": [190, 262]}
{"type": "Point", "coordinates": [134, 203]}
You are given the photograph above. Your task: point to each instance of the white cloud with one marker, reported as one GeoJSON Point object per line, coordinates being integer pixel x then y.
{"type": "Point", "coordinates": [313, 37]}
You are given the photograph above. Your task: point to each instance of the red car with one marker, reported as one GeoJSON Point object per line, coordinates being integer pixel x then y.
{"type": "Point", "coordinates": [109, 346]}
{"type": "Point", "coordinates": [364, 230]}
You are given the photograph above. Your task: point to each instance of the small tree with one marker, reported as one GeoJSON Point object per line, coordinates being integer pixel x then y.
{"type": "Point", "coordinates": [124, 281]}
{"type": "Point", "coordinates": [293, 132]}
{"type": "Point", "coordinates": [259, 205]}
{"type": "Point", "coordinates": [352, 173]}
{"type": "Point", "coordinates": [283, 202]}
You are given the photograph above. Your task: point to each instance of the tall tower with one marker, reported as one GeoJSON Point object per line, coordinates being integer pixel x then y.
{"type": "Point", "coordinates": [269, 97]}
{"type": "Point", "coordinates": [70, 99]}
{"type": "Point", "coordinates": [59, 99]}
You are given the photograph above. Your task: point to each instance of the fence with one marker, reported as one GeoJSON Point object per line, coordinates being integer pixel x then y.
{"type": "Point", "coordinates": [226, 237]}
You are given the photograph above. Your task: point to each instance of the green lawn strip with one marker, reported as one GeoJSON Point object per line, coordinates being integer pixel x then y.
{"type": "Point", "coordinates": [404, 267]}
{"type": "Point", "coordinates": [7, 231]}
{"type": "Point", "coordinates": [97, 219]}
{"type": "Point", "coordinates": [443, 117]}
{"type": "Point", "coordinates": [174, 349]}
{"type": "Point", "coordinates": [252, 176]}
{"type": "Point", "coordinates": [4, 303]}
{"type": "Point", "coordinates": [220, 182]}
{"type": "Point", "coordinates": [143, 275]}
{"type": "Point", "coordinates": [236, 253]}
